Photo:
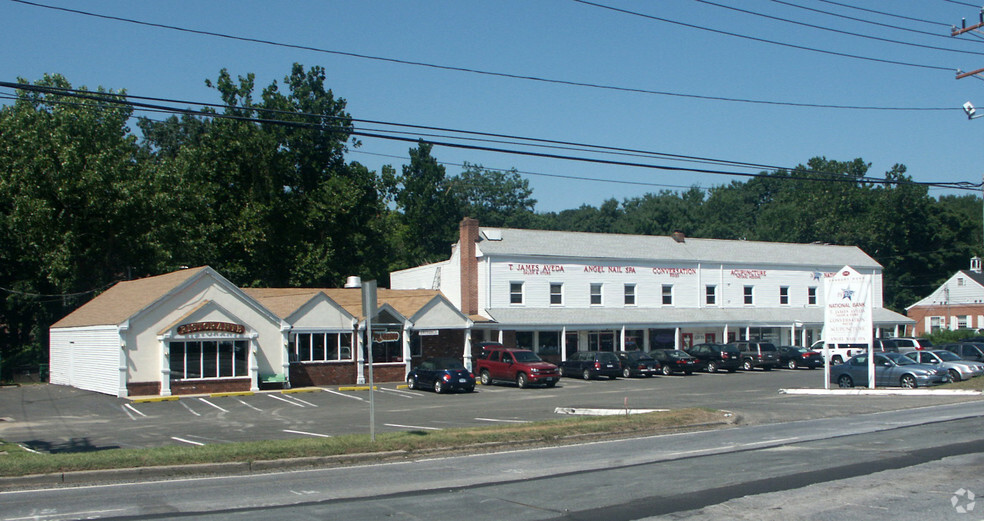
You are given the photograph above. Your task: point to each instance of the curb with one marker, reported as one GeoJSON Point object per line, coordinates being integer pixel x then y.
{"type": "Point", "coordinates": [882, 392]}
{"type": "Point", "coordinates": [588, 411]}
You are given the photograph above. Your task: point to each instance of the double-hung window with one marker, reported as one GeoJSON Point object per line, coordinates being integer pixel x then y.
{"type": "Point", "coordinates": [710, 295]}
{"type": "Point", "coordinates": [515, 292]}
{"type": "Point", "coordinates": [783, 295]}
{"type": "Point", "coordinates": [556, 293]}
{"type": "Point", "coordinates": [667, 294]}
{"type": "Point", "coordinates": [595, 293]}
{"type": "Point", "coordinates": [630, 294]}
{"type": "Point", "coordinates": [749, 295]}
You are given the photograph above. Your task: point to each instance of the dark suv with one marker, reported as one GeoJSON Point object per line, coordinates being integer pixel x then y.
{"type": "Point", "coordinates": [967, 351]}
{"type": "Point", "coordinates": [591, 364]}
{"type": "Point", "coordinates": [497, 362]}
{"type": "Point", "coordinates": [714, 357]}
{"type": "Point", "coordinates": [757, 354]}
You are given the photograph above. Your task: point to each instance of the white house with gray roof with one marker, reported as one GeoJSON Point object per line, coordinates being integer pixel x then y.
{"type": "Point", "coordinates": [557, 292]}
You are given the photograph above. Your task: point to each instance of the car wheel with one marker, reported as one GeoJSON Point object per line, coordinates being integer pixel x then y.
{"type": "Point", "coordinates": [954, 375]}
{"type": "Point", "coordinates": [908, 381]}
{"type": "Point", "coordinates": [521, 381]}
{"type": "Point", "coordinates": [791, 364]}
{"type": "Point", "coordinates": [586, 374]}
{"type": "Point", "coordinates": [439, 387]}
{"type": "Point", "coordinates": [712, 366]}
{"type": "Point", "coordinates": [412, 382]}
{"type": "Point", "coordinates": [666, 370]}
{"type": "Point", "coordinates": [626, 373]}
{"type": "Point", "coordinates": [747, 365]}
{"type": "Point", "coordinates": [486, 378]}
{"type": "Point", "coordinates": [845, 381]}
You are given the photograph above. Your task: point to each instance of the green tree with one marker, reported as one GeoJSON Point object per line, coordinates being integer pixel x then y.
{"type": "Point", "coordinates": [494, 197]}
{"type": "Point", "coordinates": [430, 210]}
{"type": "Point", "coordinates": [78, 211]}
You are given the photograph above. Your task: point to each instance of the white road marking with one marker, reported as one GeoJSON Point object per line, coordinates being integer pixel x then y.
{"type": "Point", "coordinates": [131, 408]}
{"type": "Point", "coordinates": [343, 394]}
{"type": "Point", "coordinates": [305, 402]}
{"type": "Point", "coordinates": [213, 405]}
{"type": "Point", "coordinates": [185, 405]}
{"type": "Point", "coordinates": [187, 441]}
{"type": "Point", "coordinates": [398, 392]}
{"type": "Point", "coordinates": [411, 427]}
{"type": "Point", "coordinates": [248, 405]}
{"type": "Point", "coordinates": [50, 513]}
{"type": "Point", "coordinates": [308, 433]}
{"type": "Point", "coordinates": [285, 400]}
{"type": "Point", "coordinates": [504, 421]}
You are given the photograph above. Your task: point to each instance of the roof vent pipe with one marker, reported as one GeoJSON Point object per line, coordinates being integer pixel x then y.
{"type": "Point", "coordinates": [975, 264]}
{"type": "Point", "coordinates": [678, 236]}
{"type": "Point", "coordinates": [353, 282]}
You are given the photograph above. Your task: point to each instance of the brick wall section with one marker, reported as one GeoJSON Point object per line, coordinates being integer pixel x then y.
{"type": "Point", "coordinates": [467, 239]}
{"type": "Point", "coordinates": [230, 385]}
{"type": "Point", "coordinates": [143, 388]}
{"type": "Point", "coordinates": [307, 375]}
{"type": "Point", "coordinates": [920, 313]}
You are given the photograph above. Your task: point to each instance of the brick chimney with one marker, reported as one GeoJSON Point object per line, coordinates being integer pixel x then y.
{"type": "Point", "coordinates": [467, 238]}
{"type": "Point", "coordinates": [679, 236]}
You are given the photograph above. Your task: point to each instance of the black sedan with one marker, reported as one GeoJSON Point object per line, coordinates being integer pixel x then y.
{"type": "Point", "coordinates": [637, 363]}
{"type": "Point", "coordinates": [795, 356]}
{"type": "Point", "coordinates": [441, 375]}
{"type": "Point", "coordinates": [674, 361]}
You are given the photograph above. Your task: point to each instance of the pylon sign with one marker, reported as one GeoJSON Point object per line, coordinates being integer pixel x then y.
{"type": "Point", "coordinates": [848, 315]}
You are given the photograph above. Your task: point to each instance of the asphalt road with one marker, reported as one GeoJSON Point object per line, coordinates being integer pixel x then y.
{"type": "Point", "coordinates": [905, 464]}
{"type": "Point", "coordinates": [51, 418]}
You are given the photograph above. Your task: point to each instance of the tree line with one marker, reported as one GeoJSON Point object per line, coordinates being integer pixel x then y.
{"type": "Point", "coordinates": [261, 190]}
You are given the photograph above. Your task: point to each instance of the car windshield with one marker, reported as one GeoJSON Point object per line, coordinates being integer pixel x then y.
{"type": "Point", "coordinates": [800, 350]}
{"type": "Point", "coordinates": [526, 356]}
{"type": "Point", "coordinates": [947, 356]}
{"type": "Point", "coordinates": [449, 364]}
{"type": "Point", "coordinates": [899, 359]}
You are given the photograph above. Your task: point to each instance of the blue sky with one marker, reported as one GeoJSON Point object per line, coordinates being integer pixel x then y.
{"type": "Point", "coordinates": [569, 41]}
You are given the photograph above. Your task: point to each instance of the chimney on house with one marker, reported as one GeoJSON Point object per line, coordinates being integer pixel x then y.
{"type": "Point", "coordinates": [975, 264]}
{"type": "Point", "coordinates": [678, 236]}
{"type": "Point", "coordinates": [468, 238]}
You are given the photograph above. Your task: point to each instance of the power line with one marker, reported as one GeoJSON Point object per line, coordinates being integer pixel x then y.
{"type": "Point", "coordinates": [870, 22]}
{"type": "Point", "coordinates": [763, 40]}
{"type": "Point", "coordinates": [838, 31]}
{"type": "Point", "coordinates": [883, 13]}
{"type": "Point", "coordinates": [827, 177]}
{"type": "Point", "coordinates": [539, 79]}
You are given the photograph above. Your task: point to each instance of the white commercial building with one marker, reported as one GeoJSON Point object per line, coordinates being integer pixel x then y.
{"type": "Point", "coordinates": [558, 292]}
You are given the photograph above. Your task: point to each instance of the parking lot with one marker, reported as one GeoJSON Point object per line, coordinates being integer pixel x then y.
{"type": "Point", "coordinates": [51, 418]}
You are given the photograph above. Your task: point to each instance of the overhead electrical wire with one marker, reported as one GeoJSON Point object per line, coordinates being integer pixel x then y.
{"type": "Point", "coordinates": [113, 98]}
{"type": "Point", "coordinates": [762, 40]}
{"type": "Point", "coordinates": [525, 77]}
{"type": "Point", "coordinates": [883, 13]}
{"type": "Point", "coordinates": [870, 22]}
{"type": "Point", "coordinates": [837, 31]}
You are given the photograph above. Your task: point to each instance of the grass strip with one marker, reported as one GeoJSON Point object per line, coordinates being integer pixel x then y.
{"type": "Point", "coordinates": [16, 461]}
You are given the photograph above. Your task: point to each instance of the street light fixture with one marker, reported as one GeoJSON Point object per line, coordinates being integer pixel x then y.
{"type": "Point", "coordinates": [971, 111]}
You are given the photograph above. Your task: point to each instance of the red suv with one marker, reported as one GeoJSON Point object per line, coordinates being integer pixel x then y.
{"type": "Point", "coordinates": [500, 363]}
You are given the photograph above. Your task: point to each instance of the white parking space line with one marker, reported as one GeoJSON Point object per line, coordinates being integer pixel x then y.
{"type": "Point", "coordinates": [257, 409]}
{"type": "Point", "coordinates": [502, 421]}
{"type": "Point", "coordinates": [131, 408]}
{"type": "Point", "coordinates": [343, 394]}
{"type": "Point", "coordinates": [308, 433]}
{"type": "Point", "coordinates": [411, 427]}
{"type": "Point", "coordinates": [401, 393]}
{"type": "Point", "coordinates": [285, 400]}
{"type": "Point", "coordinates": [305, 402]}
{"type": "Point", "coordinates": [185, 405]}
{"type": "Point", "coordinates": [213, 405]}
{"type": "Point", "coordinates": [187, 441]}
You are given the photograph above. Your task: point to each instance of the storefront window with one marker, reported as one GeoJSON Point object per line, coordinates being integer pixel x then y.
{"type": "Point", "coordinates": [601, 341]}
{"type": "Point", "coordinates": [208, 359]}
{"type": "Point", "coordinates": [633, 339]}
{"type": "Point", "coordinates": [549, 343]}
{"type": "Point", "coordinates": [319, 347]}
{"type": "Point", "coordinates": [662, 338]}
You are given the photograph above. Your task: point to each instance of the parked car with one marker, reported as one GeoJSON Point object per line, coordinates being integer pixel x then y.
{"type": "Point", "coordinates": [757, 354]}
{"type": "Point", "coordinates": [794, 356]}
{"type": "Point", "coordinates": [637, 363]}
{"type": "Point", "coordinates": [591, 364]}
{"type": "Point", "coordinates": [674, 361]}
{"type": "Point", "coordinates": [966, 351]}
{"type": "Point", "coordinates": [839, 352]}
{"type": "Point", "coordinates": [905, 344]}
{"type": "Point", "coordinates": [891, 369]}
{"type": "Point", "coordinates": [714, 357]}
{"type": "Point", "coordinates": [956, 367]}
{"type": "Point", "coordinates": [499, 363]}
{"type": "Point", "coordinates": [441, 375]}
